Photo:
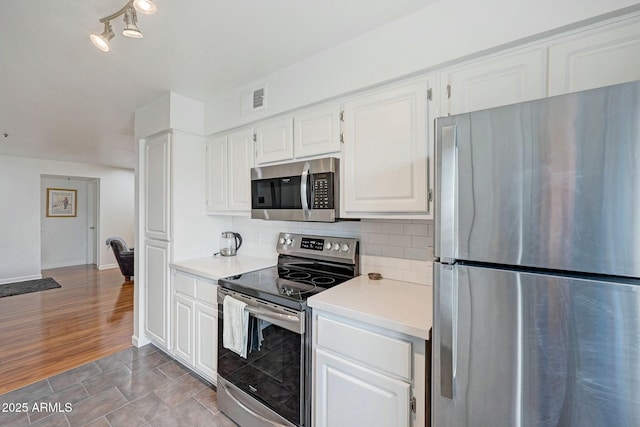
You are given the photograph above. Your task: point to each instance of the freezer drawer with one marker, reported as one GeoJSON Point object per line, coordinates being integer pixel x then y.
{"type": "Point", "coordinates": [527, 349]}
{"type": "Point", "coordinates": [551, 183]}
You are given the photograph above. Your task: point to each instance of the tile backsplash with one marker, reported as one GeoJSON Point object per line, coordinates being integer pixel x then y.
{"type": "Point", "coordinates": [397, 249]}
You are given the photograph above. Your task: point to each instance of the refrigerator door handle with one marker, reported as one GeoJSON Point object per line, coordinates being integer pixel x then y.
{"type": "Point", "coordinates": [445, 224]}
{"type": "Point", "coordinates": [448, 314]}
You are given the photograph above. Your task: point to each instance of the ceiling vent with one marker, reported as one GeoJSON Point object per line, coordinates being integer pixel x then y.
{"type": "Point", "coordinates": [253, 100]}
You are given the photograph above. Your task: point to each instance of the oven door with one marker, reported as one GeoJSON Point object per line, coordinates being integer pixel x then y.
{"type": "Point", "coordinates": [268, 388]}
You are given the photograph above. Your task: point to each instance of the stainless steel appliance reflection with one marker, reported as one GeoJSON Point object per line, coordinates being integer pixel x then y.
{"type": "Point", "coordinates": [272, 385]}
{"type": "Point", "coordinates": [536, 283]}
{"type": "Point", "coordinates": [298, 191]}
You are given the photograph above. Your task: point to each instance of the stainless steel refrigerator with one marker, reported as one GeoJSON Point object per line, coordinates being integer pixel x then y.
{"type": "Point", "coordinates": [536, 279]}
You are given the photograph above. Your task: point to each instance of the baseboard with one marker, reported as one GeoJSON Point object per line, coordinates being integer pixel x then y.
{"type": "Point", "coordinates": [20, 279]}
{"type": "Point", "coordinates": [139, 341]}
{"type": "Point", "coordinates": [64, 264]}
{"type": "Point", "coordinates": [107, 266]}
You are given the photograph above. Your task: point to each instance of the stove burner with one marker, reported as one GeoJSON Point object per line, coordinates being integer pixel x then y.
{"type": "Point", "coordinates": [289, 288]}
{"type": "Point", "coordinates": [323, 281]}
{"type": "Point", "coordinates": [297, 275]}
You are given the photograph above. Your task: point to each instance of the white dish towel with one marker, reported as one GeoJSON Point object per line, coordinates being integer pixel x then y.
{"type": "Point", "coordinates": [235, 326]}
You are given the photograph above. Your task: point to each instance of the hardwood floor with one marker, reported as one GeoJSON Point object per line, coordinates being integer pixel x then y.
{"type": "Point", "coordinates": [48, 332]}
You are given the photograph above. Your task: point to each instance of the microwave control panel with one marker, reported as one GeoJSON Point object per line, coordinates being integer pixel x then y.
{"type": "Point", "coordinates": [323, 191]}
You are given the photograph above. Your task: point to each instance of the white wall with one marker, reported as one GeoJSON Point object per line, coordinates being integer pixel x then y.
{"type": "Point", "coordinates": [443, 32]}
{"type": "Point", "coordinates": [64, 239]}
{"type": "Point", "coordinates": [21, 207]}
{"type": "Point", "coordinates": [195, 234]}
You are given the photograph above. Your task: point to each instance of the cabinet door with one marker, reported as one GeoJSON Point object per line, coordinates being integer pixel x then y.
{"type": "Point", "coordinates": [157, 255]}
{"type": "Point", "coordinates": [384, 159]}
{"type": "Point", "coordinates": [240, 158]}
{"type": "Point", "coordinates": [157, 190]}
{"type": "Point", "coordinates": [348, 394]}
{"type": "Point", "coordinates": [206, 358]}
{"type": "Point", "coordinates": [274, 140]}
{"type": "Point", "coordinates": [217, 174]}
{"type": "Point", "coordinates": [184, 333]}
{"type": "Point", "coordinates": [501, 80]}
{"type": "Point", "coordinates": [596, 58]}
{"type": "Point", "coordinates": [317, 132]}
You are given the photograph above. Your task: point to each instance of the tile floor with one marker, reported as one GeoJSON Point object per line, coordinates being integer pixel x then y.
{"type": "Point", "coordinates": [135, 387]}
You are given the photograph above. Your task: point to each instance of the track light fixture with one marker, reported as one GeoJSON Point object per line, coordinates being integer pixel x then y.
{"type": "Point", "coordinates": [147, 7]}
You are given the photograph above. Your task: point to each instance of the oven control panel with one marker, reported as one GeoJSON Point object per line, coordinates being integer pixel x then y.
{"type": "Point", "coordinates": [344, 248]}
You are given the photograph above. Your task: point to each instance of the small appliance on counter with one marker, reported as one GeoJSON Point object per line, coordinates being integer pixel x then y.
{"type": "Point", "coordinates": [230, 242]}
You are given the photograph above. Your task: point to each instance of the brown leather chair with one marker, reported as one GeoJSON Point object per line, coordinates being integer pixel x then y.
{"type": "Point", "coordinates": [124, 255]}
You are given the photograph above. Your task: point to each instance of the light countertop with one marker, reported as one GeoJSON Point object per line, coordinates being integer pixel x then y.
{"type": "Point", "coordinates": [217, 267]}
{"type": "Point", "coordinates": [398, 306]}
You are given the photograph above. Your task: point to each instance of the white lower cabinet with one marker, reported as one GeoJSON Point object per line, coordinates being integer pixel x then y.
{"type": "Point", "coordinates": [206, 332]}
{"type": "Point", "coordinates": [183, 311]}
{"type": "Point", "coordinates": [350, 394]}
{"type": "Point", "coordinates": [157, 308]}
{"type": "Point", "coordinates": [366, 375]}
{"type": "Point", "coordinates": [195, 323]}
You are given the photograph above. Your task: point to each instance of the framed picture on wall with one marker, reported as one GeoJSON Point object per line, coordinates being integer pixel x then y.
{"type": "Point", "coordinates": [62, 202]}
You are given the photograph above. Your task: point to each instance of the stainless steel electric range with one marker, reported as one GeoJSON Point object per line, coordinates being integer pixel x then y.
{"type": "Point", "coordinates": [272, 385]}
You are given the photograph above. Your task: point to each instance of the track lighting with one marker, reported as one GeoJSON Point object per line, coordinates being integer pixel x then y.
{"type": "Point", "coordinates": [101, 41]}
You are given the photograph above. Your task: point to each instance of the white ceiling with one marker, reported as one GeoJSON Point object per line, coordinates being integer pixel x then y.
{"type": "Point", "coordinates": [63, 99]}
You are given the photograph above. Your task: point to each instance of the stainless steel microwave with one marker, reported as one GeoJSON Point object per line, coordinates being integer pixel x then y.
{"type": "Point", "coordinates": [298, 191]}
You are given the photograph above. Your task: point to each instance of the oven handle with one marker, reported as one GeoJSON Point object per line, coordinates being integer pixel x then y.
{"type": "Point", "coordinates": [246, 408]}
{"type": "Point", "coordinates": [270, 315]}
{"type": "Point", "coordinates": [295, 324]}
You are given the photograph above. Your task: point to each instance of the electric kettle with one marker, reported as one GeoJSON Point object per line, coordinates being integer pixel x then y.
{"type": "Point", "coordinates": [230, 242]}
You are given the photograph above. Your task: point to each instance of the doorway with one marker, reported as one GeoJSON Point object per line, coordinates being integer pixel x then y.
{"type": "Point", "coordinates": [72, 239]}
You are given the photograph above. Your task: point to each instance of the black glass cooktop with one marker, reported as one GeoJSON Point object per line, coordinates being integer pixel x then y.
{"type": "Point", "coordinates": [289, 283]}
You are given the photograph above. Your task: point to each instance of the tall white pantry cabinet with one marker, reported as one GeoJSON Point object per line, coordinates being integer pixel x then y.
{"type": "Point", "coordinates": [173, 219]}
{"type": "Point", "coordinates": [157, 243]}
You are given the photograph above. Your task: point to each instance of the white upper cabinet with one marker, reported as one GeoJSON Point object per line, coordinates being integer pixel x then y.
{"type": "Point", "coordinates": [229, 162]}
{"type": "Point", "coordinates": [240, 155]}
{"type": "Point", "coordinates": [157, 195]}
{"type": "Point", "coordinates": [384, 167]}
{"type": "Point", "coordinates": [599, 57]}
{"type": "Point", "coordinates": [274, 140]}
{"type": "Point", "coordinates": [216, 173]}
{"type": "Point", "coordinates": [495, 81]}
{"type": "Point", "coordinates": [317, 131]}
{"type": "Point", "coordinates": [308, 133]}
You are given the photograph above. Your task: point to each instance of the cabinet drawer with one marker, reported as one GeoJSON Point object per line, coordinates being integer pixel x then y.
{"type": "Point", "coordinates": [378, 351]}
{"type": "Point", "coordinates": [183, 284]}
{"type": "Point", "coordinates": [207, 292]}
